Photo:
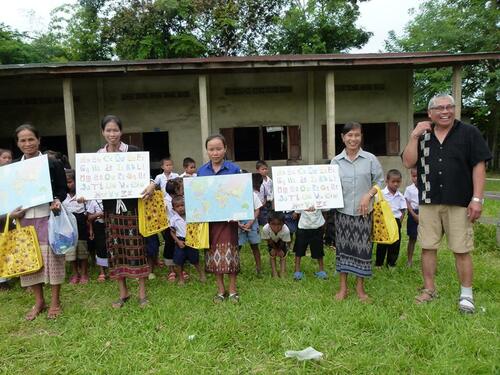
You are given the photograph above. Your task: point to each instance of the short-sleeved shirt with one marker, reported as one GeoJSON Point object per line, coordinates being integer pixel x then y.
{"type": "Point", "coordinates": [357, 177]}
{"type": "Point", "coordinates": [95, 207]}
{"type": "Point", "coordinates": [311, 219]}
{"type": "Point", "coordinates": [226, 168]}
{"type": "Point", "coordinates": [450, 164]}
{"type": "Point", "coordinates": [257, 203]}
{"type": "Point", "coordinates": [71, 205]}
{"type": "Point", "coordinates": [397, 202]}
{"type": "Point", "coordinates": [162, 179]}
{"type": "Point", "coordinates": [178, 223]}
{"type": "Point", "coordinates": [184, 174]}
{"type": "Point", "coordinates": [411, 195]}
{"type": "Point", "coordinates": [266, 190]}
{"type": "Point", "coordinates": [282, 235]}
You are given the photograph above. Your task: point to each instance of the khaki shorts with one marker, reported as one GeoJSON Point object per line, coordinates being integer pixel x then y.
{"type": "Point", "coordinates": [81, 252]}
{"type": "Point", "coordinates": [434, 220]}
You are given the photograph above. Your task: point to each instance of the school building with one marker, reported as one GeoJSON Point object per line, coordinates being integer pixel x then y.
{"type": "Point", "coordinates": [276, 108]}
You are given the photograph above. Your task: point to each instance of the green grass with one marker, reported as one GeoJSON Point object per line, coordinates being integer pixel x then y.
{"type": "Point", "coordinates": [390, 336]}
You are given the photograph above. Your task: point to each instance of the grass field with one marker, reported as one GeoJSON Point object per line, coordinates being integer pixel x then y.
{"type": "Point", "coordinates": [183, 332]}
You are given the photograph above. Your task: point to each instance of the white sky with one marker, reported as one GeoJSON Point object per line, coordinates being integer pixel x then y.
{"type": "Point", "coordinates": [377, 16]}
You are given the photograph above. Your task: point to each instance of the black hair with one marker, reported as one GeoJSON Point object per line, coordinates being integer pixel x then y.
{"type": "Point", "coordinates": [111, 118]}
{"type": "Point", "coordinates": [29, 127]}
{"type": "Point", "coordinates": [70, 173]}
{"type": "Point", "coordinates": [257, 180]}
{"type": "Point", "coordinates": [173, 186]}
{"type": "Point", "coordinates": [187, 161]}
{"type": "Point", "coordinates": [216, 136]}
{"type": "Point", "coordinates": [176, 199]}
{"type": "Point", "coordinates": [275, 215]}
{"type": "Point", "coordinates": [351, 125]}
{"type": "Point", "coordinates": [166, 159]}
{"type": "Point", "coordinates": [4, 150]}
{"type": "Point", "coordinates": [260, 163]}
{"type": "Point", "coordinates": [393, 173]}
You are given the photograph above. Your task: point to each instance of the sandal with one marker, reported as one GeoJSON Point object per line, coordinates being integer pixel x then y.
{"type": "Point", "coordinates": [464, 307]}
{"type": "Point", "coordinates": [143, 302]}
{"type": "Point", "coordinates": [219, 298]}
{"type": "Point", "coordinates": [171, 277]}
{"type": "Point", "coordinates": [84, 280]}
{"type": "Point", "coordinates": [426, 296]}
{"type": "Point", "coordinates": [54, 312]}
{"type": "Point", "coordinates": [234, 298]}
{"type": "Point", "coordinates": [321, 275]}
{"type": "Point", "coordinates": [298, 276]}
{"type": "Point", "coordinates": [185, 275]}
{"type": "Point", "coordinates": [101, 278]}
{"type": "Point", "coordinates": [34, 312]}
{"type": "Point", "coordinates": [118, 304]}
{"type": "Point", "coordinates": [75, 279]}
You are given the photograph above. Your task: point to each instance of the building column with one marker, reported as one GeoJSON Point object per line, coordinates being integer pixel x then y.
{"type": "Point", "coordinates": [330, 114]}
{"type": "Point", "coordinates": [456, 87]}
{"type": "Point", "coordinates": [69, 119]}
{"type": "Point", "coordinates": [203, 88]}
{"type": "Point", "coordinates": [405, 131]}
{"type": "Point", "coordinates": [311, 139]}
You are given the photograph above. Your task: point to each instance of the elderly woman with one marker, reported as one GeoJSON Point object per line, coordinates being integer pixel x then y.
{"type": "Point", "coordinates": [359, 172]}
{"type": "Point", "coordinates": [53, 271]}
{"type": "Point", "coordinates": [125, 245]}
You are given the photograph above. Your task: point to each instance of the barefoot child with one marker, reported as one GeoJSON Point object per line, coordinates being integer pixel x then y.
{"type": "Point", "coordinates": [178, 232]}
{"type": "Point", "coordinates": [189, 166]}
{"type": "Point", "coordinates": [249, 229]}
{"type": "Point", "coordinates": [398, 206]}
{"type": "Point", "coordinates": [95, 224]}
{"type": "Point", "coordinates": [278, 239]}
{"type": "Point", "coordinates": [78, 258]}
{"type": "Point", "coordinates": [411, 196]}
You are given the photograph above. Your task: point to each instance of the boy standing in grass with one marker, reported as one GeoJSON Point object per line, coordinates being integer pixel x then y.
{"type": "Point", "coordinates": [265, 192]}
{"type": "Point", "coordinates": [278, 238]}
{"type": "Point", "coordinates": [411, 196]}
{"type": "Point", "coordinates": [398, 206]}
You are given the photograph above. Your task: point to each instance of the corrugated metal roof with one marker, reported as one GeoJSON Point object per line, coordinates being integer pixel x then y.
{"type": "Point", "coordinates": [247, 63]}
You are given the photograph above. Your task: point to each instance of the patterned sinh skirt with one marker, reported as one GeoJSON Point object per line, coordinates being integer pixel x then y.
{"type": "Point", "coordinates": [353, 244]}
{"type": "Point", "coordinates": [223, 255]}
{"type": "Point", "coordinates": [125, 245]}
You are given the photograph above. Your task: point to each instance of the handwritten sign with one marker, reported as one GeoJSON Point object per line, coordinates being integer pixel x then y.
{"type": "Point", "coordinates": [306, 186]}
{"type": "Point", "coordinates": [111, 175]}
{"type": "Point", "coordinates": [25, 184]}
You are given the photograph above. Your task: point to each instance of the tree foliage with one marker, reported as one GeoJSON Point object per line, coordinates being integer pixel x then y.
{"type": "Point", "coordinates": [458, 26]}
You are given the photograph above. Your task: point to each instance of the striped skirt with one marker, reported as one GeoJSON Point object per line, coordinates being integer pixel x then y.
{"type": "Point", "coordinates": [353, 244]}
{"type": "Point", "coordinates": [125, 245]}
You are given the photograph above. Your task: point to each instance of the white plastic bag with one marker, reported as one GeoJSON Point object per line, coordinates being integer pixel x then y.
{"type": "Point", "coordinates": [63, 232]}
{"type": "Point", "coordinates": [304, 355]}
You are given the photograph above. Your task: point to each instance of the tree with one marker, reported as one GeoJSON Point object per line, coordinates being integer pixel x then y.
{"type": "Point", "coordinates": [458, 26]}
{"type": "Point", "coordinates": [318, 26]}
{"type": "Point", "coordinates": [13, 49]}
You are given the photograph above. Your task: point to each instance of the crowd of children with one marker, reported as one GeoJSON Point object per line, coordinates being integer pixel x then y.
{"type": "Point", "coordinates": [312, 228]}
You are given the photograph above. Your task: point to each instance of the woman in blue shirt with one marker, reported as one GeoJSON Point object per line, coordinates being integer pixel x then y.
{"type": "Point", "coordinates": [223, 256]}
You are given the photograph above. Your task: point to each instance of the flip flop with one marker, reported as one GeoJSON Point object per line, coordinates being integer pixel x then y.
{"type": "Point", "coordinates": [34, 312]}
{"type": "Point", "coordinates": [118, 304]}
{"type": "Point", "coordinates": [298, 275]}
{"type": "Point", "coordinates": [426, 296]}
{"type": "Point", "coordinates": [321, 275]}
{"type": "Point", "coordinates": [54, 312]}
{"type": "Point", "coordinates": [143, 302]}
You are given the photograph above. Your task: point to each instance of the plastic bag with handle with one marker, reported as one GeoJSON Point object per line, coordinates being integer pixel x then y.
{"type": "Point", "coordinates": [63, 232]}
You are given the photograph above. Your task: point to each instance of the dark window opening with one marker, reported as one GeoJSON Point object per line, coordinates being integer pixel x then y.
{"type": "Point", "coordinates": [246, 144]}
{"type": "Point", "coordinates": [275, 143]}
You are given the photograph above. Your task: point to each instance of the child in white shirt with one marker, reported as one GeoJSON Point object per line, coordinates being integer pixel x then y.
{"type": "Point", "coordinates": [411, 196]}
{"type": "Point", "coordinates": [189, 166]}
{"type": "Point", "coordinates": [398, 205]}
{"type": "Point", "coordinates": [95, 223]}
{"type": "Point", "coordinates": [265, 191]}
{"type": "Point", "coordinates": [167, 165]}
{"type": "Point", "coordinates": [278, 238]}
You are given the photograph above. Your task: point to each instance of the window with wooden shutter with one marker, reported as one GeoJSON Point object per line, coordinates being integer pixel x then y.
{"type": "Point", "coordinates": [294, 152]}
{"type": "Point", "coordinates": [392, 138]}
{"type": "Point", "coordinates": [228, 133]}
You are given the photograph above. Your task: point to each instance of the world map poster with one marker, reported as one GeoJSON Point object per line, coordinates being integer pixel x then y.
{"type": "Point", "coordinates": [219, 198]}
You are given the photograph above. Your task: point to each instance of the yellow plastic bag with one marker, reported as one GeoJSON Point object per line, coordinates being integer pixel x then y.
{"type": "Point", "coordinates": [19, 251]}
{"type": "Point", "coordinates": [197, 235]}
{"type": "Point", "coordinates": [385, 228]}
{"type": "Point", "coordinates": [152, 215]}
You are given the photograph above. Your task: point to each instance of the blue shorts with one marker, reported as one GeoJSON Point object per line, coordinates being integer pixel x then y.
{"type": "Point", "coordinates": [251, 236]}
{"type": "Point", "coordinates": [152, 245]}
{"type": "Point", "coordinates": [186, 253]}
{"type": "Point", "coordinates": [412, 226]}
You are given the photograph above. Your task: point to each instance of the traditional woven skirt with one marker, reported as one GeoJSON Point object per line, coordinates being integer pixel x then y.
{"type": "Point", "coordinates": [53, 270]}
{"type": "Point", "coordinates": [353, 244]}
{"type": "Point", "coordinates": [223, 255]}
{"type": "Point", "coordinates": [125, 245]}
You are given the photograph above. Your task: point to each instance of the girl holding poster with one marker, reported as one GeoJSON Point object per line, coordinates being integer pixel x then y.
{"type": "Point", "coordinates": [359, 171]}
{"type": "Point", "coordinates": [222, 257]}
{"type": "Point", "coordinates": [125, 245]}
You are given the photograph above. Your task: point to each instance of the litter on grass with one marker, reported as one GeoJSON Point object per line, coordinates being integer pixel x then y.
{"type": "Point", "coordinates": [191, 337]}
{"type": "Point", "coordinates": [304, 355]}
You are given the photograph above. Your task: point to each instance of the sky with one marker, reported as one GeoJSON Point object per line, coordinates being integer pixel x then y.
{"type": "Point", "coordinates": [377, 16]}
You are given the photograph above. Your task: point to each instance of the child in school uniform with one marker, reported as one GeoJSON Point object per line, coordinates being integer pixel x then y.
{"type": "Point", "coordinates": [182, 253]}
{"type": "Point", "coordinates": [398, 205]}
{"type": "Point", "coordinates": [265, 192]}
{"type": "Point", "coordinates": [310, 234]}
{"type": "Point", "coordinates": [95, 224]}
{"type": "Point", "coordinates": [277, 235]}
{"type": "Point", "coordinates": [411, 196]}
{"type": "Point", "coordinates": [173, 188]}
{"type": "Point", "coordinates": [189, 166]}
{"type": "Point", "coordinates": [167, 165]}
{"type": "Point", "coordinates": [78, 258]}
{"type": "Point", "coordinates": [248, 230]}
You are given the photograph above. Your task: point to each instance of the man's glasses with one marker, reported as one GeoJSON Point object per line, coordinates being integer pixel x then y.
{"type": "Point", "coordinates": [441, 108]}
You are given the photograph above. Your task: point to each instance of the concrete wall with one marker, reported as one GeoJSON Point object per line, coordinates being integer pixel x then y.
{"type": "Point", "coordinates": [181, 118]}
